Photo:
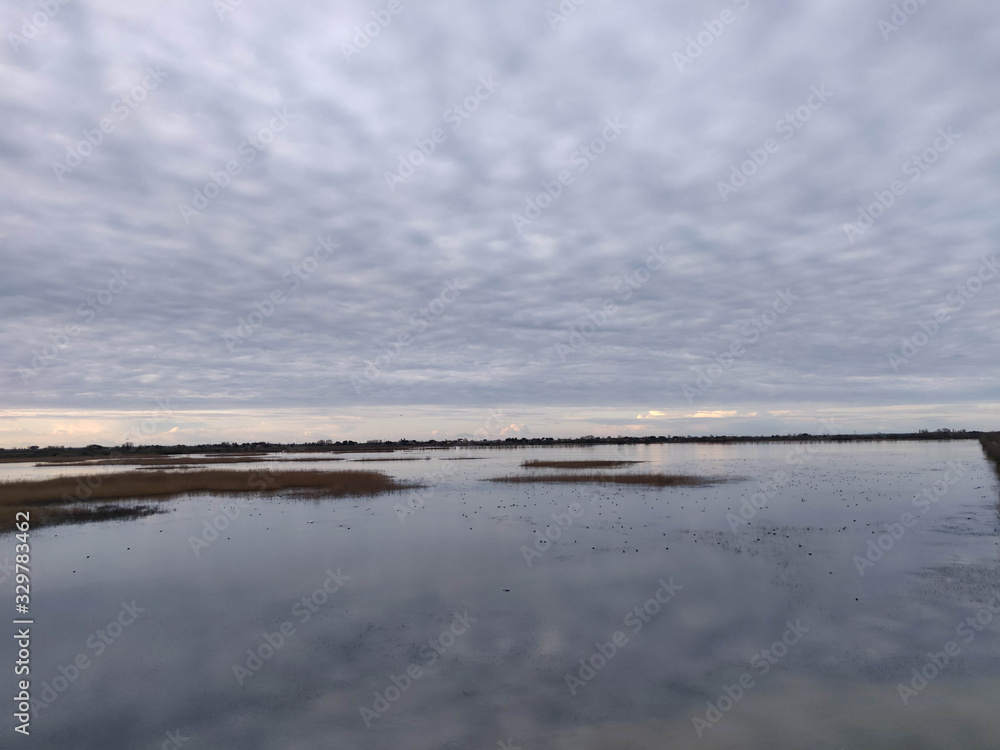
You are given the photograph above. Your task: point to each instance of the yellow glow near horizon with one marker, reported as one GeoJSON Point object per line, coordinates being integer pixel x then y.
{"type": "Point", "coordinates": [172, 426]}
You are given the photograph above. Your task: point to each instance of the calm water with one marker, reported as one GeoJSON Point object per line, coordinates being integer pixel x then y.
{"type": "Point", "coordinates": [468, 646]}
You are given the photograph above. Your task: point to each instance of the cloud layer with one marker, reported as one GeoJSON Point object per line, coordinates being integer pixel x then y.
{"type": "Point", "coordinates": [368, 208]}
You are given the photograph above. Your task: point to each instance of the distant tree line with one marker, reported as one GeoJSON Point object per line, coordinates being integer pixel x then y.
{"type": "Point", "coordinates": [990, 441]}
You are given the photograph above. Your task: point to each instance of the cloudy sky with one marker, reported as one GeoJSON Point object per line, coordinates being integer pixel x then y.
{"type": "Point", "coordinates": [352, 220]}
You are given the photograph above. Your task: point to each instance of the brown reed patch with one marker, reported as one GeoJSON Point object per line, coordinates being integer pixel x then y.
{"type": "Point", "coordinates": [158, 461]}
{"type": "Point", "coordinates": [540, 464]}
{"type": "Point", "coordinates": [991, 445]}
{"type": "Point", "coordinates": [65, 499]}
{"type": "Point", "coordinates": [646, 480]}
{"type": "Point", "coordinates": [421, 458]}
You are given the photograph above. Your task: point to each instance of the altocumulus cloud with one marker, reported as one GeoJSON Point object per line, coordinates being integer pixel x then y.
{"type": "Point", "coordinates": [78, 79]}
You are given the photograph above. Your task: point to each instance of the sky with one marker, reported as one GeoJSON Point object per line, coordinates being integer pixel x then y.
{"type": "Point", "coordinates": [417, 218]}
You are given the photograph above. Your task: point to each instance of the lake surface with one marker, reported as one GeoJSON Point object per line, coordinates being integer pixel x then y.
{"type": "Point", "coordinates": [774, 630]}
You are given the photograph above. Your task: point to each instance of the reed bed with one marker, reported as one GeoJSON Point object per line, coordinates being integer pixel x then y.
{"type": "Point", "coordinates": [156, 461]}
{"type": "Point", "coordinates": [64, 499]}
{"type": "Point", "coordinates": [991, 446]}
{"type": "Point", "coordinates": [57, 515]}
{"type": "Point", "coordinates": [421, 458]}
{"type": "Point", "coordinates": [645, 480]}
{"type": "Point", "coordinates": [537, 463]}
{"type": "Point", "coordinates": [183, 461]}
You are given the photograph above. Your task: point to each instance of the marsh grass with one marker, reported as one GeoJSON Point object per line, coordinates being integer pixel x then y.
{"type": "Point", "coordinates": [991, 446]}
{"type": "Point", "coordinates": [306, 460]}
{"type": "Point", "coordinates": [162, 461]}
{"type": "Point", "coordinates": [421, 458]}
{"type": "Point", "coordinates": [645, 480]}
{"type": "Point", "coordinates": [195, 464]}
{"type": "Point", "coordinates": [540, 464]}
{"type": "Point", "coordinates": [74, 498]}
{"type": "Point", "coordinates": [57, 515]}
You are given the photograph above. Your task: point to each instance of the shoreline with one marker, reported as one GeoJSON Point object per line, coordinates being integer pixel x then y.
{"type": "Point", "coordinates": [62, 454]}
{"type": "Point", "coordinates": [87, 497]}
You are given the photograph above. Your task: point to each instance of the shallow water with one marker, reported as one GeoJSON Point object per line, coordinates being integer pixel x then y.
{"type": "Point", "coordinates": [730, 591]}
